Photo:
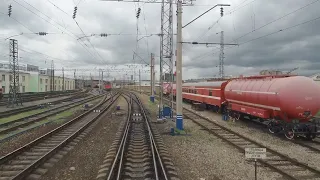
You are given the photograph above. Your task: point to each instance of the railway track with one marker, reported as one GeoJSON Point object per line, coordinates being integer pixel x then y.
{"type": "Point", "coordinates": [11, 126]}
{"type": "Point", "coordinates": [34, 159]}
{"type": "Point", "coordinates": [311, 146]}
{"type": "Point", "coordinates": [33, 107]}
{"type": "Point", "coordinates": [34, 97]}
{"type": "Point", "coordinates": [278, 162]}
{"type": "Point", "coordinates": [137, 152]}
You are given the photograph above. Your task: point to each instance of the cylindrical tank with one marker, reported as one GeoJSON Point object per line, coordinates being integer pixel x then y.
{"type": "Point", "coordinates": [292, 95]}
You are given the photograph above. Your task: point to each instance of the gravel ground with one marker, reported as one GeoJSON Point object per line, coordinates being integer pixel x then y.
{"type": "Point", "coordinates": [211, 158]}
{"type": "Point", "coordinates": [260, 135]}
{"type": "Point", "coordinates": [83, 161]}
{"type": "Point", "coordinates": [27, 137]}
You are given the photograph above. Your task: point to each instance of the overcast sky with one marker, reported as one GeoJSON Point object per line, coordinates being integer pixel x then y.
{"type": "Point", "coordinates": [290, 48]}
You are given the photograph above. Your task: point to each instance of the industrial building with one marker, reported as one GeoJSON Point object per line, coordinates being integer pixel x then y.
{"type": "Point", "coordinates": [31, 79]}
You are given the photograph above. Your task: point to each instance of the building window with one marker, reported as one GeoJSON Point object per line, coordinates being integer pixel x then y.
{"type": "Point", "coordinates": [23, 78]}
{"type": "Point", "coordinates": [3, 89]}
{"type": "Point", "coordinates": [46, 81]}
{"type": "Point", "coordinates": [40, 80]}
{"type": "Point", "coordinates": [23, 89]}
{"type": "Point", "coordinates": [210, 92]}
{"type": "Point", "coordinates": [55, 81]}
{"type": "Point", "coordinates": [3, 77]}
{"type": "Point", "coordinates": [46, 88]}
{"type": "Point", "coordinates": [55, 87]}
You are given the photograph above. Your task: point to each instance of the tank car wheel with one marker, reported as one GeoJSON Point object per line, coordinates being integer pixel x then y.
{"type": "Point", "coordinates": [273, 129]}
{"type": "Point", "coordinates": [310, 136]}
{"type": "Point", "coordinates": [289, 133]}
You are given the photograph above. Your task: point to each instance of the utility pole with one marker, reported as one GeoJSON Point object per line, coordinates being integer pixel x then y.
{"type": "Point", "coordinates": [221, 56]}
{"type": "Point", "coordinates": [14, 92]}
{"type": "Point", "coordinates": [152, 78]}
{"type": "Point", "coordinates": [179, 118]}
{"type": "Point", "coordinates": [139, 82]}
{"type": "Point", "coordinates": [63, 87]}
{"type": "Point", "coordinates": [52, 77]}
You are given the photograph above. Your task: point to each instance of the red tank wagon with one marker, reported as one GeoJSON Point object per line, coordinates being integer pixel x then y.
{"type": "Point", "coordinates": [286, 103]}
{"type": "Point", "coordinates": [289, 102]}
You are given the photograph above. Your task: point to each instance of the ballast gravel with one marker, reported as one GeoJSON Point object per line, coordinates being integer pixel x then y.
{"type": "Point", "coordinates": [25, 138]}
{"type": "Point", "coordinates": [260, 134]}
{"type": "Point", "coordinates": [200, 155]}
{"type": "Point", "coordinates": [82, 163]}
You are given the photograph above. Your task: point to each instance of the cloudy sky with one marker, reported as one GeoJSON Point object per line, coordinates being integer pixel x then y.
{"type": "Point", "coordinates": [253, 24]}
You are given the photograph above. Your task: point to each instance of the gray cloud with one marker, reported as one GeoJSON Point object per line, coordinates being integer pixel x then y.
{"type": "Point", "coordinates": [297, 47]}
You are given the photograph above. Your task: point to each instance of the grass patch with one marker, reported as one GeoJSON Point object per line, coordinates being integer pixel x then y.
{"type": "Point", "coordinates": [57, 119]}
{"type": "Point", "coordinates": [21, 115]}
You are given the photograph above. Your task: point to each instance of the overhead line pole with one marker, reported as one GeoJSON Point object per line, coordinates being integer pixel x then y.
{"type": "Point", "coordinates": [179, 117]}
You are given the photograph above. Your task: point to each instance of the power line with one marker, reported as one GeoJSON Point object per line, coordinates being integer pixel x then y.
{"type": "Point", "coordinates": [21, 24]}
{"type": "Point", "coordinates": [37, 14]}
{"type": "Point", "coordinates": [281, 30]}
{"type": "Point", "coordinates": [57, 27]}
{"type": "Point", "coordinates": [292, 12]}
{"type": "Point", "coordinates": [226, 14]}
{"type": "Point", "coordinates": [89, 40]}
{"type": "Point", "coordinates": [58, 7]}
{"type": "Point", "coordinates": [46, 55]}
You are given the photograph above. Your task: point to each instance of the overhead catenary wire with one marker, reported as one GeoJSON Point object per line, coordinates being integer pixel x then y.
{"type": "Point", "coordinates": [58, 7]}
{"type": "Point", "coordinates": [89, 41]}
{"type": "Point", "coordinates": [277, 19]}
{"type": "Point", "coordinates": [58, 28]}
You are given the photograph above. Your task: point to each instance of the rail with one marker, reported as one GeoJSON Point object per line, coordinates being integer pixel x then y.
{"type": "Point", "coordinates": [51, 143]}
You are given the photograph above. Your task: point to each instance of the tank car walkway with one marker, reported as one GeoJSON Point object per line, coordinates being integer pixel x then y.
{"type": "Point", "coordinates": [31, 103]}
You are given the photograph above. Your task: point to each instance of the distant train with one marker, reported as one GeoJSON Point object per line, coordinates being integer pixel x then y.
{"type": "Point", "coordinates": [286, 103]}
{"type": "Point", "coordinates": [107, 86]}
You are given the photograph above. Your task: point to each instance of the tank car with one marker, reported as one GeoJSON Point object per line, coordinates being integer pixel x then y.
{"type": "Point", "coordinates": [287, 103]}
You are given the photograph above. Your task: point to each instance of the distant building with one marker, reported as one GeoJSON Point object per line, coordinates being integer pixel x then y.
{"type": "Point", "coordinates": [31, 79]}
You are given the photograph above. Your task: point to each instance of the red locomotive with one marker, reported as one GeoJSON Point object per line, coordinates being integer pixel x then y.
{"type": "Point", "coordinates": [107, 86]}
{"type": "Point", "coordinates": [286, 103]}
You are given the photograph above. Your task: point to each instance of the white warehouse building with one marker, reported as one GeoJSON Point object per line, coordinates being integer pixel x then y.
{"type": "Point", "coordinates": [31, 79]}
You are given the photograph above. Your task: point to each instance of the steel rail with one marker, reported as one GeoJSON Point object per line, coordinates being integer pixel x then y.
{"type": "Point", "coordinates": [49, 154]}
{"type": "Point", "coordinates": [112, 169]}
{"type": "Point", "coordinates": [47, 111]}
{"type": "Point", "coordinates": [152, 141]}
{"type": "Point", "coordinates": [32, 107]}
{"type": "Point", "coordinates": [286, 158]}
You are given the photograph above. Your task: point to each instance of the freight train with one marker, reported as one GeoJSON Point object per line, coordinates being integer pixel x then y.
{"type": "Point", "coordinates": [287, 104]}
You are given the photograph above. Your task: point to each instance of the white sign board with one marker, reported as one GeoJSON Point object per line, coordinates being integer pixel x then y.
{"type": "Point", "coordinates": [256, 153]}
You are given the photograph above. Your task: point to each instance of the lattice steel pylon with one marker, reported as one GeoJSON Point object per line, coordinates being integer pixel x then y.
{"type": "Point", "coordinates": [14, 92]}
{"type": "Point", "coordinates": [166, 49]}
{"type": "Point", "coordinates": [221, 56]}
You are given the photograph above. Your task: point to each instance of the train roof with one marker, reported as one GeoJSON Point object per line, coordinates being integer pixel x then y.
{"type": "Point", "coordinates": [213, 83]}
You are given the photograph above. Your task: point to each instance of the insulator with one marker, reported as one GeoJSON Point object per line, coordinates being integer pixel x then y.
{"type": "Point", "coordinates": [221, 11]}
{"type": "Point", "coordinates": [74, 12]}
{"type": "Point", "coordinates": [9, 10]}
